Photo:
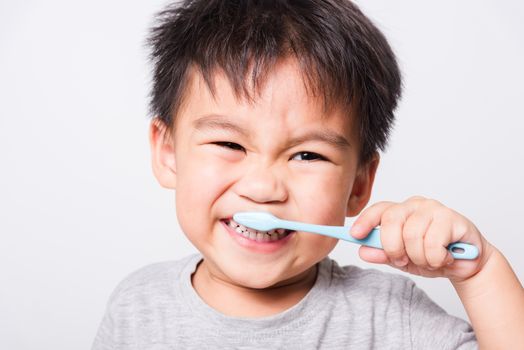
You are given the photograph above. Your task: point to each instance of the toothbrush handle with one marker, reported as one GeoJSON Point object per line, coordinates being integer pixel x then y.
{"type": "Point", "coordinates": [461, 250]}
{"type": "Point", "coordinates": [458, 250]}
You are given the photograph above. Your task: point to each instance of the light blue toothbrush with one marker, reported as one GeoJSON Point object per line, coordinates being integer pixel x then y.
{"type": "Point", "coordinates": [263, 221]}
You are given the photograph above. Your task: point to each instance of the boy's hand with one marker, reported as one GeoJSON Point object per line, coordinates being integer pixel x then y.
{"type": "Point", "coordinates": [414, 236]}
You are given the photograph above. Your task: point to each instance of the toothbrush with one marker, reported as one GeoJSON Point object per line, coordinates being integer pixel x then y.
{"type": "Point", "coordinates": [264, 221]}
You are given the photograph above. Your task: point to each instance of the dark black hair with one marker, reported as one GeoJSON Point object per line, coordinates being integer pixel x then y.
{"type": "Point", "coordinates": [342, 55]}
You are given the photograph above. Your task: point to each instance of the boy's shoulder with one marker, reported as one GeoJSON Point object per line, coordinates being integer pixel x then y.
{"type": "Point", "coordinates": [354, 280]}
{"type": "Point", "coordinates": [154, 278]}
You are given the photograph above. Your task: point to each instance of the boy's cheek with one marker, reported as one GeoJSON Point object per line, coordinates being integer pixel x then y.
{"type": "Point", "coordinates": [322, 208]}
{"type": "Point", "coordinates": [200, 176]}
{"type": "Point", "coordinates": [317, 246]}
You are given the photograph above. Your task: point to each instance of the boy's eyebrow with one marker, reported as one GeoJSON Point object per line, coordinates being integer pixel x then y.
{"type": "Point", "coordinates": [216, 121]}
{"type": "Point", "coordinates": [326, 136]}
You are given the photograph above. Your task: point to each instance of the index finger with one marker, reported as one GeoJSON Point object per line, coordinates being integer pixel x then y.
{"type": "Point", "coordinates": [369, 219]}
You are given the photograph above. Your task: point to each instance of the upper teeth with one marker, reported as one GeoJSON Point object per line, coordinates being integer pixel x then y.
{"type": "Point", "coordinates": [271, 235]}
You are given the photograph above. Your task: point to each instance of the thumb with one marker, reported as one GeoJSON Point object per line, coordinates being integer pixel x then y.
{"type": "Point", "coordinates": [373, 255]}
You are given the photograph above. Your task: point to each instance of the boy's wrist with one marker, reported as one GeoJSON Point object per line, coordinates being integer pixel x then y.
{"type": "Point", "coordinates": [494, 301]}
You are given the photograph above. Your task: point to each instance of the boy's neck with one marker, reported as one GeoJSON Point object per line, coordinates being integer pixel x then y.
{"type": "Point", "coordinates": [237, 301]}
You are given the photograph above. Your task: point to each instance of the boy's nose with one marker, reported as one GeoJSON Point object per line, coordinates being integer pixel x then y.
{"type": "Point", "coordinates": [261, 184]}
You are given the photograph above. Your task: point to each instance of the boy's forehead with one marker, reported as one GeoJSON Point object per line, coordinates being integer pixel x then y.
{"type": "Point", "coordinates": [283, 91]}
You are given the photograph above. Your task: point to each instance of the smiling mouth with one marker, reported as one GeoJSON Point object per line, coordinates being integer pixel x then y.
{"type": "Point", "coordinates": [255, 235]}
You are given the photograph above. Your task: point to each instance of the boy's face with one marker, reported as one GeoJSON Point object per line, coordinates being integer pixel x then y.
{"type": "Point", "coordinates": [263, 168]}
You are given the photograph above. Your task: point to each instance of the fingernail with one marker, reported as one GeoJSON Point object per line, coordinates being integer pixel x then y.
{"type": "Point", "coordinates": [401, 261]}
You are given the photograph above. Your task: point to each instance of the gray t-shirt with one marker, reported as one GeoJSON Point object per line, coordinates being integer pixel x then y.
{"type": "Point", "coordinates": [347, 308]}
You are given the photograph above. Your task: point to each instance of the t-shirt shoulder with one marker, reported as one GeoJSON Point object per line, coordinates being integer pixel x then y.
{"type": "Point", "coordinates": [374, 283]}
{"type": "Point", "coordinates": [428, 326]}
{"type": "Point", "coordinates": [152, 278]}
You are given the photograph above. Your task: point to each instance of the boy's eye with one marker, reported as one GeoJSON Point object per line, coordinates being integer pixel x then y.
{"type": "Point", "coordinates": [231, 145]}
{"type": "Point", "coordinates": [308, 156]}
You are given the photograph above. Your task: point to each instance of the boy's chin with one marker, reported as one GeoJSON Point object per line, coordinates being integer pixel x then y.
{"type": "Point", "coordinates": [254, 280]}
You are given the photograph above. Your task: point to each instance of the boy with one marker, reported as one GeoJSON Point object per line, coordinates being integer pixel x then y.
{"type": "Point", "coordinates": [282, 106]}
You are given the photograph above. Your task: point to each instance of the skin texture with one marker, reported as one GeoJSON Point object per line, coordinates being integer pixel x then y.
{"type": "Point", "coordinates": [265, 170]}
{"type": "Point", "coordinates": [262, 168]}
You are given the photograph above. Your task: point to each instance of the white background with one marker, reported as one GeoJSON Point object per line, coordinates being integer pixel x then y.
{"type": "Point", "coordinates": [80, 208]}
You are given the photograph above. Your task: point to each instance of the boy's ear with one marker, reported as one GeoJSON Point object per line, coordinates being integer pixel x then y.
{"type": "Point", "coordinates": [361, 191]}
{"type": "Point", "coordinates": [162, 154]}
